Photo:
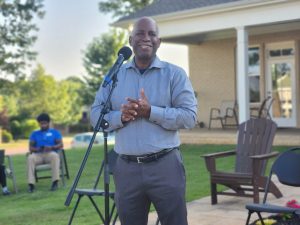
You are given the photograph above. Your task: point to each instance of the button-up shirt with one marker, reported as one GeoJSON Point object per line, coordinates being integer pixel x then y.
{"type": "Point", "coordinates": [173, 107]}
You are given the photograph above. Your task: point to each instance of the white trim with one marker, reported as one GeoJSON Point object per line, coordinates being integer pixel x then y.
{"type": "Point", "coordinates": [216, 9]}
{"type": "Point", "coordinates": [242, 74]}
{"type": "Point", "coordinates": [254, 16]}
{"type": "Point", "coordinates": [259, 75]}
{"type": "Point", "coordinates": [224, 16]}
{"type": "Point", "coordinates": [282, 122]}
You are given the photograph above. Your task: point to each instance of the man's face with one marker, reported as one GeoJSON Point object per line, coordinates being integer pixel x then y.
{"type": "Point", "coordinates": [144, 40]}
{"type": "Point", "coordinates": [44, 125]}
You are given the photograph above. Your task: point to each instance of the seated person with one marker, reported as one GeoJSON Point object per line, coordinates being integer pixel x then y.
{"type": "Point", "coordinates": [43, 146]}
{"type": "Point", "coordinates": [5, 190]}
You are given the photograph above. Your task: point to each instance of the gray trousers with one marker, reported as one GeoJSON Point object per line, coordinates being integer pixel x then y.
{"type": "Point", "coordinates": [160, 182]}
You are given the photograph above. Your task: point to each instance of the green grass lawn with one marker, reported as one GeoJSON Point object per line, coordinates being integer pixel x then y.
{"type": "Point", "coordinates": [47, 208]}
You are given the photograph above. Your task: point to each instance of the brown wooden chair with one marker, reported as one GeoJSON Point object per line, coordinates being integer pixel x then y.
{"type": "Point", "coordinates": [254, 148]}
{"type": "Point", "coordinates": [264, 110]}
{"type": "Point", "coordinates": [226, 114]}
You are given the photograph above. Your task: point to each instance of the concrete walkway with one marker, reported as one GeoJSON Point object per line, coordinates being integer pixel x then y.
{"type": "Point", "coordinates": [286, 137]}
{"type": "Point", "coordinates": [230, 210]}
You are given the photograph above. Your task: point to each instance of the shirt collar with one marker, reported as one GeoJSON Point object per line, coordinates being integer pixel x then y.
{"type": "Point", "coordinates": [155, 64]}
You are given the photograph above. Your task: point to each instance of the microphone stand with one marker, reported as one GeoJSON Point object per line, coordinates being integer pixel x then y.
{"type": "Point", "coordinates": [101, 123]}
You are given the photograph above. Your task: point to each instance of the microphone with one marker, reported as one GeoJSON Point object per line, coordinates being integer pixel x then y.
{"type": "Point", "coordinates": [123, 54]}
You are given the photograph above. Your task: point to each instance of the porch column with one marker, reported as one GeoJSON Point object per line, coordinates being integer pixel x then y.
{"type": "Point", "coordinates": [242, 74]}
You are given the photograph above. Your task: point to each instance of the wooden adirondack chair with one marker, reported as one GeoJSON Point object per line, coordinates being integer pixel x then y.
{"type": "Point", "coordinates": [254, 148]}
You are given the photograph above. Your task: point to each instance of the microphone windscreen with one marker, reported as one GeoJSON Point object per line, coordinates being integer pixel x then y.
{"type": "Point", "coordinates": [126, 52]}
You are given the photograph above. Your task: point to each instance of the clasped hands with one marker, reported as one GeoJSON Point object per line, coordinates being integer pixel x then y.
{"type": "Point", "coordinates": [134, 109]}
{"type": "Point", "coordinates": [46, 148]}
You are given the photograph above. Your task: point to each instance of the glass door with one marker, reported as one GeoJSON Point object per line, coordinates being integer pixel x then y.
{"type": "Point", "coordinates": [281, 85]}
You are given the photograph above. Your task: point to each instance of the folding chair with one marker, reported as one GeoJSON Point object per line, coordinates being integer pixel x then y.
{"type": "Point", "coordinates": [10, 173]}
{"type": "Point", "coordinates": [94, 192]}
{"type": "Point", "coordinates": [264, 110]}
{"type": "Point", "coordinates": [286, 168]}
{"type": "Point", "coordinates": [9, 170]}
{"type": "Point", "coordinates": [226, 112]}
{"type": "Point", "coordinates": [63, 167]}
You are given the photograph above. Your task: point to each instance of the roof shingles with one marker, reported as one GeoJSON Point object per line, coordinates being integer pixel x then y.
{"type": "Point", "coordinates": [159, 7]}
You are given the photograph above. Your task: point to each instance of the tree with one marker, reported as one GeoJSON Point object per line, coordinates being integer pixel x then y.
{"type": "Point", "coordinates": [3, 115]}
{"type": "Point", "coordinates": [101, 53]}
{"type": "Point", "coordinates": [120, 8]}
{"type": "Point", "coordinates": [77, 91]}
{"type": "Point", "coordinates": [8, 101]}
{"type": "Point", "coordinates": [71, 99]}
{"type": "Point", "coordinates": [41, 93]}
{"type": "Point", "coordinates": [99, 56]}
{"type": "Point", "coordinates": [1, 103]}
{"type": "Point", "coordinates": [17, 34]}
{"type": "Point", "coordinates": [26, 98]}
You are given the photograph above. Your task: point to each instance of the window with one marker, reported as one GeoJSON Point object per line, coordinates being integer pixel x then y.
{"type": "Point", "coordinates": [254, 74]}
{"type": "Point", "coordinates": [281, 52]}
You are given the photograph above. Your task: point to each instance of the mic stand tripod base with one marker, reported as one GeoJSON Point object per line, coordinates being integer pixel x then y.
{"type": "Point", "coordinates": [104, 124]}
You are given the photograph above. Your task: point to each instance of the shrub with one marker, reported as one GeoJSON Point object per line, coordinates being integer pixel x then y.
{"type": "Point", "coordinates": [28, 126]}
{"type": "Point", "coordinates": [16, 129]}
{"type": "Point", "coordinates": [6, 136]}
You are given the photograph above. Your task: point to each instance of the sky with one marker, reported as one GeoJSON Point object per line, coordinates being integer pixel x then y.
{"type": "Point", "coordinates": [69, 26]}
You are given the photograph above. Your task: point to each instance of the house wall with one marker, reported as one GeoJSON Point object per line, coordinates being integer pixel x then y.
{"type": "Point", "coordinates": [213, 70]}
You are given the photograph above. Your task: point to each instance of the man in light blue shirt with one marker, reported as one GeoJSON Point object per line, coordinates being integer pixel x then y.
{"type": "Point", "coordinates": [151, 102]}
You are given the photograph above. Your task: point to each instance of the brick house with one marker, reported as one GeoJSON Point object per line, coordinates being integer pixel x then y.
{"type": "Point", "coordinates": [243, 50]}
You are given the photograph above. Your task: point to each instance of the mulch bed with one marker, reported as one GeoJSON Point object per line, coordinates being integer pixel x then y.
{"type": "Point", "coordinates": [294, 220]}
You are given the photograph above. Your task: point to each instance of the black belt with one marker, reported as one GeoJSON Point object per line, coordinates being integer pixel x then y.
{"type": "Point", "coordinates": [148, 157]}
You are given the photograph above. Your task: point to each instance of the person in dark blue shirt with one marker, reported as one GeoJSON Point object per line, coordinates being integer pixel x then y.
{"type": "Point", "coordinates": [43, 146]}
